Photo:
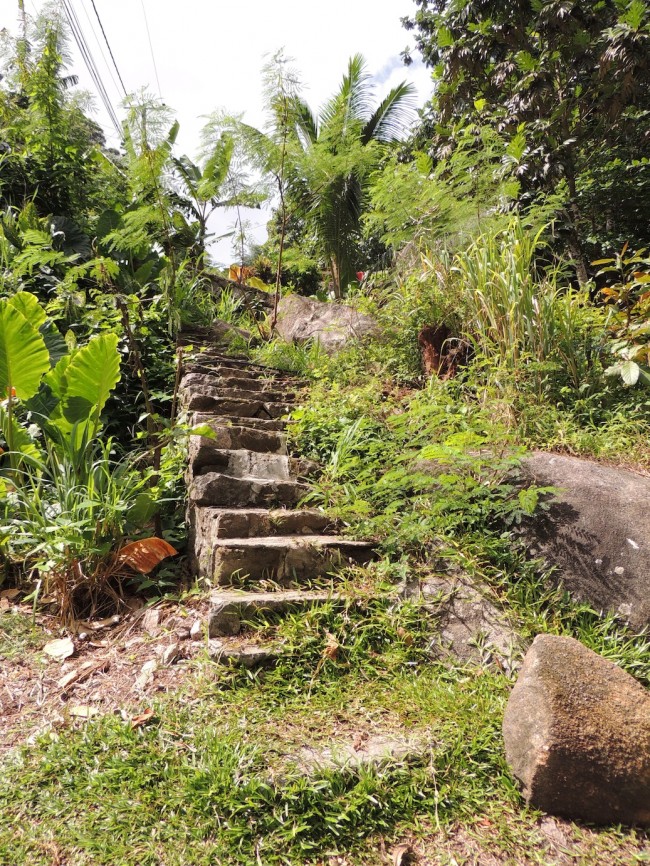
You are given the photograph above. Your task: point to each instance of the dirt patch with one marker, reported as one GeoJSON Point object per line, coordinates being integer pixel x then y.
{"type": "Point", "coordinates": [119, 665]}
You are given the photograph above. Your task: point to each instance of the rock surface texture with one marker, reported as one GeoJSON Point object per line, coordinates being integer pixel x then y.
{"type": "Point", "coordinates": [577, 735]}
{"type": "Point", "coordinates": [332, 325]}
{"type": "Point", "coordinates": [248, 535]}
{"type": "Point", "coordinates": [596, 532]}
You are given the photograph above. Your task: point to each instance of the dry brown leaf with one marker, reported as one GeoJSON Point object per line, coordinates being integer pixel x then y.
{"type": "Point", "coordinates": [10, 594]}
{"type": "Point", "coordinates": [80, 674]}
{"type": "Point", "coordinates": [146, 554]}
{"type": "Point", "coordinates": [82, 711]}
{"type": "Point", "coordinates": [332, 647]}
{"type": "Point", "coordinates": [59, 649]}
{"type": "Point", "coordinates": [142, 718]}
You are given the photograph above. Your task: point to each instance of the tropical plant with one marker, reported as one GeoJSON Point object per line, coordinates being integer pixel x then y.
{"type": "Point", "coordinates": [322, 163]}
{"type": "Point", "coordinates": [572, 78]}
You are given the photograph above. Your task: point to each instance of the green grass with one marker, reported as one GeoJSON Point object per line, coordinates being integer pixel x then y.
{"type": "Point", "coordinates": [216, 776]}
{"type": "Point", "coordinates": [19, 635]}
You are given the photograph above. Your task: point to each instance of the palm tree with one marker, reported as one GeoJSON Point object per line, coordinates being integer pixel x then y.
{"type": "Point", "coordinates": [319, 165]}
{"type": "Point", "coordinates": [338, 150]}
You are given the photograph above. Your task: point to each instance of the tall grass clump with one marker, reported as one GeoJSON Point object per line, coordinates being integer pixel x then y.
{"type": "Point", "coordinates": [515, 312]}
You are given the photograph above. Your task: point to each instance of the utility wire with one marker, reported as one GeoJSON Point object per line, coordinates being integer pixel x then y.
{"type": "Point", "coordinates": [108, 45]}
{"type": "Point", "coordinates": [153, 58]}
{"type": "Point", "coordinates": [88, 58]}
{"type": "Point", "coordinates": [101, 50]}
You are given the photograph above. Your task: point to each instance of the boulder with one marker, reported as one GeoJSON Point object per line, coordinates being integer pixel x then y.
{"type": "Point", "coordinates": [577, 735]}
{"type": "Point", "coordinates": [332, 325]}
{"type": "Point", "coordinates": [596, 532]}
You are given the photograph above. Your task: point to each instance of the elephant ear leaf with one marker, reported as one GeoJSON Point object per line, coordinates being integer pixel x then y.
{"type": "Point", "coordinates": [24, 358]}
{"type": "Point", "coordinates": [91, 375]}
{"type": "Point", "coordinates": [28, 305]}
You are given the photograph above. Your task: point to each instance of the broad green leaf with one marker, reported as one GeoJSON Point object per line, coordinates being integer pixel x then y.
{"type": "Point", "coordinates": [630, 372]}
{"type": "Point", "coordinates": [28, 305]}
{"type": "Point", "coordinates": [55, 343]}
{"type": "Point", "coordinates": [20, 439]}
{"type": "Point", "coordinates": [24, 358]}
{"type": "Point", "coordinates": [91, 375]}
{"type": "Point", "coordinates": [57, 378]}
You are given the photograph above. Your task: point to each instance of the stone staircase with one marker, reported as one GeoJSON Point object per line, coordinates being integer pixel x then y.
{"type": "Point", "coordinates": [249, 538]}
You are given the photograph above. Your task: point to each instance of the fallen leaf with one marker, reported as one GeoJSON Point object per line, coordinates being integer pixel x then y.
{"type": "Point", "coordinates": [59, 649]}
{"type": "Point", "coordinates": [10, 593]}
{"type": "Point", "coordinates": [146, 554]}
{"type": "Point", "coordinates": [80, 674]}
{"type": "Point", "coordinates": [332, 647]}
{"type": "Point", "coordinates": [83, 712]}
{"type": "Point", "coordinates": [142, 719]}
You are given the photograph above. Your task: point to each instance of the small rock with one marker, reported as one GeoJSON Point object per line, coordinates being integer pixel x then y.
{"type": "Point", "coordinates": [183, 633]}
{"type": "Point", "coordinates": [170, 654]}
{"type": "Point", "coordinates": [150, 621]}
{"type": "Point", "coordinates": [577, 735]}
{"type": "Point", "coordinates": [197, 629]}
{"type": "Point", "coordinates": [146, 675]}
{"type": "Point", "coordinates": [59, 649]}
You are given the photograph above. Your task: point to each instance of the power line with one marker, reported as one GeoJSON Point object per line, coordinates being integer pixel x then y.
{"type": "Point", "coordinates": [89, 60]}
{"type": "Point", "coordinates": [108, 45]}
{"type": "Point", "coordinates": [101, 50]}
{"type": "Point", "coordinates": [153, 59]}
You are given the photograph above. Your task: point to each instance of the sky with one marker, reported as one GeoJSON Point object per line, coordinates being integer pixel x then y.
{"type": "Point", "coordinates": [203, 55]}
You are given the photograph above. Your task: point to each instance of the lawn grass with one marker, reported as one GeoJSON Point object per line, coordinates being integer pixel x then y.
{"type": "Point", "coordinates": [217, 776]}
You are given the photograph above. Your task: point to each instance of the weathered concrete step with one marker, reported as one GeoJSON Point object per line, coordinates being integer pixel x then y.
{"type": "Point", "coordinates": [217, 523]}
{"type": "Point", "coordinates": [240, 462]}
{"type": "Point", "coordinates": [218, 393]}
{"type": "Point", "coordinates": [215, 420]}
{"type": "Point", "coordinates": [195, 381]}
{"type": "Point", "coordinates": [230, 610]}
{"type": "Point", "coordinates": [265, 376]}
{"type": "Point", "coordinates": [234, 652]}
{"type": "Point", "coordinates": [238, 408]}
{"type": "Point", "coordinates": [227, 437]}
{"type": "Point", "coordinates": [216, 488]}
{"type": "Point", "coordinates": [285, 558]}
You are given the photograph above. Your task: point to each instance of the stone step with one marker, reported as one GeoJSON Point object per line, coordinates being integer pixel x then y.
{"type": "Point", "coordinates": [239, 463]}
{"type": "Point", "coordinates": [218, 523]}
{"type": "Point", "coordinates": [285, 558]}
{"type": "Point", "coordinates": [230, 610]}
{"type": "Point", "coordinates": [195, 381]}
{"type": "Point", "coordinates": [216, 488]}
{"type": "Point", "coordinates": [268, 425]}
{"type": "Point", "coordinates": [235, 652]}
{"type": "Point", "coordinates": [219, 393]}
{"type": "Point", "coordinates": [227, 438]}
{"type": "Point", "coordinates": [239, 408]}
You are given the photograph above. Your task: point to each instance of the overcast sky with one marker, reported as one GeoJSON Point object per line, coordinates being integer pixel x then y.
{"type": "Point", "coordinates": [207, 54]}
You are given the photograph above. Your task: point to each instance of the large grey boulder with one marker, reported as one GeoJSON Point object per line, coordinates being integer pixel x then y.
{"type": "Point", "coordinates": [332, 325]}
{"type": "Point", "coordinates": [596, 532]}
{"type": "Point", "coordinates": [577, 735]}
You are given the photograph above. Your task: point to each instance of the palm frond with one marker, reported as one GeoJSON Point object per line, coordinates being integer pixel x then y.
{"type": "Point", "coordinates": [390, 117]}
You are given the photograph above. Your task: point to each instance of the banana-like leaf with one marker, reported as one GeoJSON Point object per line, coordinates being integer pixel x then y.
{"type": "Point", "coordinates": [28, 305]}
{"type": "Point", "coordinates": [91, 375]}
{"type": "Point", "coordinates": [24, 358]}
